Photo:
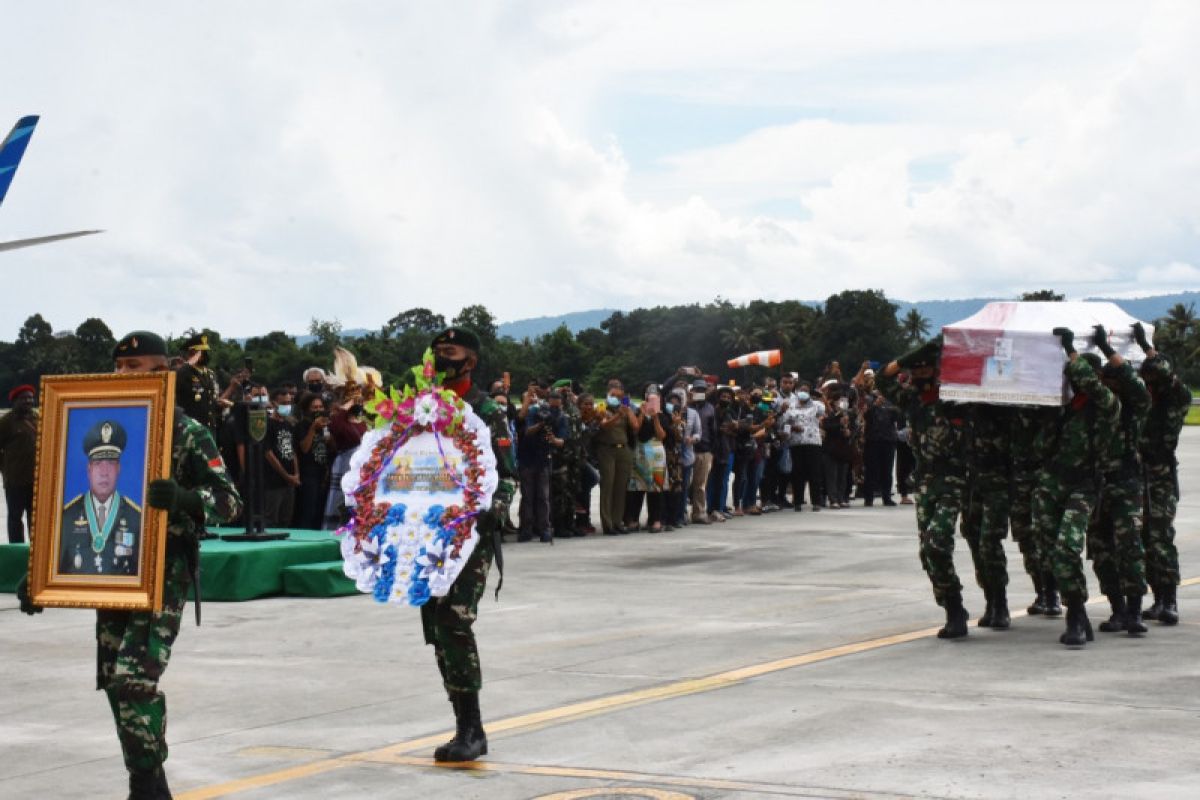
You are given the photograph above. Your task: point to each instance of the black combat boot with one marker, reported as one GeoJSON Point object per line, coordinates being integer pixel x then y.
{"type": "Point", "coordinates": [1053, 607]}
{"type": "Point", "coordinates": [1169, 615]}
{"type": "Point", "coordinates": [469, 742]}
{"type": "Point", "coordinates": [956, 617]}
{"type": "Point", "coordinates": [1133, 616]}
{"type": "Point", "coordinates": [164, 791]}
{"type": "Point", "coordinates": [1001, 619]}
{"type": "Point", "coordinates": [1116, 623]}
{"type": "Point", "coordinates": [988, 612]}
{"type": "Point", "coordinates": [1079, 629]}
{"type": "Point", "coordinates": [1156, 608]}
{"type": "Point", "coordinates": [1038, 606]}
{"type": "Point", "coordinates": [144, 784]}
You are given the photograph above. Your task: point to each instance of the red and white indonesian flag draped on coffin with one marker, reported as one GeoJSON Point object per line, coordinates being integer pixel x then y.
{"type": "Point", "coordinates": [1006, 354]}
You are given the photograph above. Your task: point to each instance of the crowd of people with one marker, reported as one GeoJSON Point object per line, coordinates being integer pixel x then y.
{"type": "Point", "coordinates": [694, 451]}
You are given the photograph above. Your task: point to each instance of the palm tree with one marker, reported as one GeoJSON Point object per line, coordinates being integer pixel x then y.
{"type": "Point", "coordinates": [1180, 320]}
{"type": "Point", "coordinates": [740, 333]}
{"type": "Point", "coordinates": [915, 326]}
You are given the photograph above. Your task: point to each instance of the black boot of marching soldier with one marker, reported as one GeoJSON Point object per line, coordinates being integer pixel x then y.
{"type": "Point", "coordinates": [1001, 619]}
{"type": "Point", "coordinates": [956, 617]}
{"type": "Point", "coordinates": [1133, 615]}
{"type": "Point", "coordinates": [1115, 623]}
{"type": "Point", "coordinates": [1053, 607]}
{"type": "Point", "coordinates": [1169, 615]}
{"type": "Point", "coordinates": [1079, 628]}
{"type": "Point", "coordinates": [1038, 606]}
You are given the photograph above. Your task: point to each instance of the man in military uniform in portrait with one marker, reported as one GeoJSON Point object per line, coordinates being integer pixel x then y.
{"type": "Point", "coordinates": [134, 647]}
{"type": "Point", "coordinates": [101, 528]}
{"type": "Point", "coordinates": [196, 388]}
{"type": "Point", "coordinates": [447, 620]}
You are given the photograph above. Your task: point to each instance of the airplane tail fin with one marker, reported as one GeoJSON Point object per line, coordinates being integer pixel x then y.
{"type": "Point", "coordinates": [12, 149]}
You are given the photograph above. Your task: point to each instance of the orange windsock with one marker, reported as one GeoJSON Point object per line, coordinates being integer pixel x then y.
{"type": "Point", "coordinates": [763, 358]}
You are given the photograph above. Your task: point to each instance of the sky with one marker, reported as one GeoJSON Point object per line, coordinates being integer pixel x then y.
{"type": "Point", "coordinates": [258, 165]}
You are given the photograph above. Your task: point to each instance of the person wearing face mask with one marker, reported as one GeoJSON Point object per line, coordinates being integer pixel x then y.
{"type": "Point", "coordinates": [133, 648]}
{"type": "Point", "coordinates": [1170, 400]}
{"type": "Point", "coordinates": [616, 431]}
{"type": "Point", "coordinates": [281, 474]}
{"type": "Point", "coordinates": [687, 452]}
{"type": "Point", "coordinates": [939, 444]}
{"type": "Point", "coordinates": [448, 621]}
{"type": "Point", "coordinates": [836, 449]}
{"type": "Point", "coordinates": [702, 445]}
{"type": "Point", "coordinates": [315, 382]}
{"type": "Point", "coordinates": [196, 387]}
{"type": "Point", "coordinates": [315, 451]}
{"type": "Point", "coordinates": [648, 478]}
{"type": "Point", "coordinates": [803, 421]}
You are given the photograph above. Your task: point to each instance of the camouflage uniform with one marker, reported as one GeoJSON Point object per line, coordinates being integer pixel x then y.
{"type": "Point", "coordinates": [1160, 436]}
{"type": "Point", "coordinates": [985, 518]}
{"type": "Point", "coordinates": [1068, 482]}
{"type": "Point", "coordinates": [1027, 431]}
{"type": "Point", "coordinates": [447, 620]}
{"type": "Point", "coordinates": [133, 647]}
{"type": "Point", "coordinates": [1114, 537]}
{"type": "Point", "coordinates": [937, 439]}
{"type": "Point", "coordinates": [566, 466]}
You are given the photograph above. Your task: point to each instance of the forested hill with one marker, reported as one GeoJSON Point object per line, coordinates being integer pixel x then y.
{"type": "Point", "coordinates": [937, 312]}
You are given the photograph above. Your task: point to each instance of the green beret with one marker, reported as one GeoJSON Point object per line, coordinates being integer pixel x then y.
{"type": "Point", "coordinates": [464, 337]}
{"type": "Point", "coordinates": [105, 440]}
{"type": "Point", "coordinates": [565, 383]}
{"type": "Point", "coordinates": [140, 343]}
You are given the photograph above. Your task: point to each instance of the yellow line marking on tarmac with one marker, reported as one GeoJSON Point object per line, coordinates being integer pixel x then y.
{"type": "Point", "coordinates": [627, 777]}
{"type": "Point", "coordinates": [570, 712]}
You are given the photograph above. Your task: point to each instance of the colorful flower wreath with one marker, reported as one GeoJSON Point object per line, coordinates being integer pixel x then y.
{"type": "Point", "coordinates": [407, 553]}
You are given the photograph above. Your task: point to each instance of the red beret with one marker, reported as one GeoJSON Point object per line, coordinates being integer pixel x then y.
{"type": "Point", "coordinates": [21, 390]}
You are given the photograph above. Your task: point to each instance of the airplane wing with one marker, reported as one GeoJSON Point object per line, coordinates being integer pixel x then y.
{"type": "Point", "coordinates": [13, 245]}
{"type": "Point", "coordinates": [12, 149]}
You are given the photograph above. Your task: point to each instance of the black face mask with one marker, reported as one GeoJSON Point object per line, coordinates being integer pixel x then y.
{"type": "Point", "coordinates": [452, 367]}
{"type": "Point", "coordinates": [316, 388]}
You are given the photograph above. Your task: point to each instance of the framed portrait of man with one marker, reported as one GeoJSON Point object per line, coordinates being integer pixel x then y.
{"type": "Point", "coordinates": [102, 439]}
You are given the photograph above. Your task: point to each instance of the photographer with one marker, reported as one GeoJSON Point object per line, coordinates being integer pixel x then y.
{"type": "Point", "coordinates": [542, 427]}
{"type": "Point", "coordinates": [315, 446]}
{"type": "Point", "coordinates": [617, 426]}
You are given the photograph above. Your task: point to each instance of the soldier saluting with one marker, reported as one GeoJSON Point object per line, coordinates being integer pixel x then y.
{"type": "Point", "coordinates": [101, 528]}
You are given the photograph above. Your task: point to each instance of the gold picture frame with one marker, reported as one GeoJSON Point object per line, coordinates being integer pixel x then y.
{"type": "Point", "coordinates": [101, 440]}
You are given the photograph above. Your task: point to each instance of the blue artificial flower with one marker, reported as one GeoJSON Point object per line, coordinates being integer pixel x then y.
{"type": "Point", "coordinates": [433, 517]}
{"type": "Point", "coordinates": [395, 514]}
{"type": "Point", "coordinates": [418, 592]}
{"type": "Point", "coordinates": [387, 576]}
{"type": "Point", "coordinates": [379, 533]}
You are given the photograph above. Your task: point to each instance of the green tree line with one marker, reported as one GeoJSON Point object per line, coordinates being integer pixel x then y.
{"type": "Point", "coordinates": [639, 346]}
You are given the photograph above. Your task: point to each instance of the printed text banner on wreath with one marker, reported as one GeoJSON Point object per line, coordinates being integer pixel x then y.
{"type": "Point", "coordinates": [416, 483]}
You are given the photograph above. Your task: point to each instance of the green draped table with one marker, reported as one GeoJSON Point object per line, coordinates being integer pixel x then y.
{"type": "Point", "coordinates": [306, 564]}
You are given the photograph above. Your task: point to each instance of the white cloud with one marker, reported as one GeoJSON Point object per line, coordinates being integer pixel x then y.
{"type": "Point", "coordinates": [256, 166]}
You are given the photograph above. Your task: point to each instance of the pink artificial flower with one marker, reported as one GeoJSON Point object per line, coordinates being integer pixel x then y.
{"type": "Point", "coordinates": [385, 409]}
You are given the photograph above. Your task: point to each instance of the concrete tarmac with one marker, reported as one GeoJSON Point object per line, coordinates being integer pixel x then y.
{"type": "Point", "coordinates": [788, 655]}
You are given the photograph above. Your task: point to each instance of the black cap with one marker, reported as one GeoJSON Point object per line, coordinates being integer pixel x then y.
{"type": "Point", "coordinates": [197, 342]}
{"type": "Point", "coordinates": [104, 440]}
{"type": "Point", "coordinates": [140, 343]}
{"type": "Point", "coordinates": [464, 337]}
